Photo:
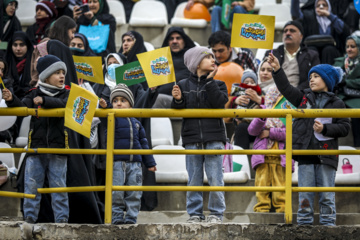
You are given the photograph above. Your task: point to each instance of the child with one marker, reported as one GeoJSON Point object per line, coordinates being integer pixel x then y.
{"type": "Point", "coordinates": [319, 133]}
{"type": "Point", "coordinates": [200, 90]}
{"type": "Point", "coordinates": [129, 134]}
{"type": "Point", "coordinates": [270, 169]}
{"type": "Point", "coordinates": [45, 132]}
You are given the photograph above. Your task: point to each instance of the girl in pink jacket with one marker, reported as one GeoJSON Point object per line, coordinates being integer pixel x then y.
{"type": "Point", "coordinates": [270, 169]}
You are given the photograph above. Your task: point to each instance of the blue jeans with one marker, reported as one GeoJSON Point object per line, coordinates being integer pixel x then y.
{"type": "Point", "coordinates": [55, 168]}
{"type": "Point", "coordinates": [319, 175]}
{"type": "Point", "coordinates": [213, 168]}
{"type": "Point", "coordinates": [126, 174]}
{"type": "Point", "coordinates": [216, 16]}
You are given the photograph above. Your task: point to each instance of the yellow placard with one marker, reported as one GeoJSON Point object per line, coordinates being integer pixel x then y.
{"type": "Point", "coordinates": [158, 66]}
{"type": "Point", "coordinates": [89, 68]}
{"type": "Point", "coordinates": [80, 110]}
{"type": "Point", "coordinates": [253, 31]}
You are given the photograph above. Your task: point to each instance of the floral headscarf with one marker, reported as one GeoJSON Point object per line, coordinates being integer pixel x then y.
{"type": "Point", "coordinates": [351, 63]}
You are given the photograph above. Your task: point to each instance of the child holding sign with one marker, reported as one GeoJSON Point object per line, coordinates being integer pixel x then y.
{"type": "Point", "coordinates": [200, 90]}
{"type": "Point", "coordinates": [315, 170]}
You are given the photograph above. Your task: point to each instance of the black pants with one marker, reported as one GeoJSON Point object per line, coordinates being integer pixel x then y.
{"type": "Point", "coordinates": [355, 127]}
{"type": "Point", "coordinates": [242, 137]}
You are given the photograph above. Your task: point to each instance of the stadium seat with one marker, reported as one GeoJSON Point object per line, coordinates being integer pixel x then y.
{"type": "Point", "coordinates": [26, 12]}
{"type": "Point", "coordinates": [348, 178]}
{"type": "Point", "coordinates": [280, 11]}
{"type": "Point", "coordinates": [149, 47]}
{"type": "Point", "coordinates": [181, 21]}
{"type": "Point", "coordinates": [118, 11]}
{"type": "Point", "coordinates": [148, 14]}
{"type": "Point", "coordinates": [22, 139]}
{"type": "Point", "coordinates": [161, 132]}
{"type": "Point", "coordinates": [7, 158]}
{"type": "Point", "coordinates": [260, 53]}
{"type": "Point", "coordinates": [260, 3]}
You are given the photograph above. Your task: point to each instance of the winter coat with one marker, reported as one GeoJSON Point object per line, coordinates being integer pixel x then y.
{"type": "Point", "coordinates": [278, 134]}
{"type": "Point", "coordinates": [303, 131]}
{"type": "Point", "coordinates": [45, 132]}
{"type": "Point", "coordinates": [130, 134]}
{"type": "Point", "coordinates": [200, 92]}
{"type": "Point", "coordinates": [306, 59]}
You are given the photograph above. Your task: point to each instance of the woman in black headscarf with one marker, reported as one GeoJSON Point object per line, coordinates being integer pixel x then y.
{"type": "Point", "coordinates": [9, 23]}
{"type": "Point", "coordinates": [99, 12]}
{"type": "Point", "coordinates": [46, 14]}
{"type": "Point", "coordinates": [132, 44]}
{"type": "Point", "coordinates": [79, 46]}
{"type": "Point", "coordinates": [18, 56]}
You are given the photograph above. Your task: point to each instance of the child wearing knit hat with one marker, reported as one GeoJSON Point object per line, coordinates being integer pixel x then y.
{"type": "Point", "coordinates": [200, 90]}
{"type": "Point", "coordinates": [48, 132]}
{"type": "Point", "coordinates": [319, 133]}
{"type": "Point", "coordinates": [129, 134]}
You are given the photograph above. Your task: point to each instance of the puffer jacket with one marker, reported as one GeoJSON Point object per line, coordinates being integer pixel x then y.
{"type": "Point", "coordinates": [278, 134]}
{"type": "Point", "coordinates": [303, 131]}
{"type": "Point", "coordinates": [130, 134]}
{"type": "Point", "coordinates": [45, 132]}
{"type": "Point", "coordinates": [200, 92]}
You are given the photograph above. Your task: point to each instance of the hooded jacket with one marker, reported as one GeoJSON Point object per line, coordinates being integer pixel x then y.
{"type": "Point", "coordinates": [181, 71]}
{"type": "Point", "coordinates": [303, 132]}
{"type": "Point", "coordinates": [200, 92]}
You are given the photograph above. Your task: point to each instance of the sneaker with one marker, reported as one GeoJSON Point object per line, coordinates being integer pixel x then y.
{"type": "Point", "coordinates": [194, 219]}
{"type": "Point", "coordinates": [29, 220]}
{"type": "Point", "coordinates": [129, 222]}
{"type": "Point", "coordinates": [213, 219]}
{"type": "Point", "coordinates": [64, 220]}
{"type": "Point", "coordinates": [118, 222]}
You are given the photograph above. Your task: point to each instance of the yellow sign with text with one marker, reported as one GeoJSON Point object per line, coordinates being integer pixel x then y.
{"type": "Point", "coordinates": [80, 110]}
{"type": "Point", "coordinates": [158, 66]}
{"type": "Point", "coordinates": [89, 68]}
{"type": "Point", "coordinates": [253, 31]}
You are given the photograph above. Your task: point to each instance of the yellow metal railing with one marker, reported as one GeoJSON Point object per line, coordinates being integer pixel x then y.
{"type": "Point", "coordinates": [188, 113]}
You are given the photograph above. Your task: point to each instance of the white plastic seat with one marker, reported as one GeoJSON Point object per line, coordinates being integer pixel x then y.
{"type": "Point", "coordinates": [181, 21]}
{"type": "Point", "coordinates": [118, 11]}
{"type": "Point", "coordinates": [260, 3]}
{"type": "Point", "coordinates": [26, 12]}
{"type": "Point", "coordinates": [7, 158]}
{"type": "Point", "coordinates": [161, 132]}
{"type": "Point", "coordinates": [170, 168]}
{"type": "Point", "coordinates": [280, 11]}
{"type": "Point", "coordinates": [260, 53]}
{"type": "Point", "coordinates": [348, 178]}
{"type": "Point", "coordinates": [148, 14]}
{"type": "Point", "coordinates": [149, 47]}
{"type": "Point", "coordinates": [22, 139]}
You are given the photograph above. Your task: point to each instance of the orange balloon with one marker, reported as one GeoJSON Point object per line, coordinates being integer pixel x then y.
{"type": "Point", "coordinates": [229, 72]}
{"type": "Point", "coordinates": [198, 11]}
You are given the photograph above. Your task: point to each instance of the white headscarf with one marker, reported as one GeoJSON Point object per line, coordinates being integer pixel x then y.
{"type": "Point", "coordinates": [323, 21]}
{"type": "Point", "coordinates": [267, 84]}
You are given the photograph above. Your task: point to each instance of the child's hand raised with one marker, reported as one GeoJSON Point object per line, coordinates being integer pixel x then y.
{"type": "Point", "coordinates": [7, 95]}
{"type": "Point", "coordinates": [213, 73]}
{"type": "Point", "coordinates": [152, 169]}
{"type": "Point", "coordinates": [176, 92]}
{"type": "Point", "coordinates": [103, 103]}
{"type": "Point", "coordinates": [274, 62]}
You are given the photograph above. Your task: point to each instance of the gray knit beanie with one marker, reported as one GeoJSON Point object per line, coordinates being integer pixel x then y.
{"type": "Point", "coordinates": [248, 73]}
{"type": "Point", "coordinates": [49, 64]}
{"type": "Point", "coordinates": [121, 90]}
{"type": "Point", "coordinates": [194, 56]}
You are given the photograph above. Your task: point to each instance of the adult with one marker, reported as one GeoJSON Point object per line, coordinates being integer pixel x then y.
{"type": "Point", "coordinates": [79, 46]}
{"type": "Point", "coordinates": [179, 43]}
{"type": "Point", "coordinates": [18, 56]}
{"type": "Point", "coordinates": [132, 44]}
{"type": "Point", "coordinates": [99, 14]}
{"type": "Point", "coordinates": [295, 58]}
{"type": "Point", "coordinates": [9, 23]}
{"type": "Point", "coordinates": [57, 43]}
{"type": "Point", "coordinates": [46, 14]}
{"type": "Point", "coordinates": [244, 6]}
{"type": "Point", "coordinates": [220, 45]}
{"type": "Point", "coordinates": [321, 21]}
{"type": "Point", "coordinates": [351, 66]}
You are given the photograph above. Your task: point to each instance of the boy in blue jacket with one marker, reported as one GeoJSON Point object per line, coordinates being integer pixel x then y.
{"type": "Point", "coordinates": [129, 134]}
{"type": "Point", "coordinates": [200, 90]}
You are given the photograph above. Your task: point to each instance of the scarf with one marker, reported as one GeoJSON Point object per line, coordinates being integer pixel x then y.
{"type": "Point", "coordinates": [271, 98]}
{"type": "Point", "coordinates": [49, 90]}
{"type": "Point", "coordinates": [323, 21]}
{"type": "Point", "coordinates": [40, 32]}
{"type": "Point", "coordinates": [20, 66]}
{"type": "Point", "coordinates": [265, 86]}
{"type": "Point", "coordinates": [350, 64]}
{"type": "Point", "coordinates": [5, 16]}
